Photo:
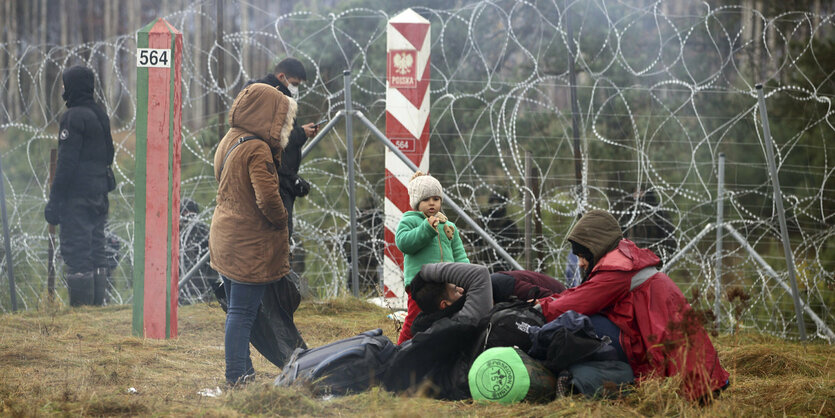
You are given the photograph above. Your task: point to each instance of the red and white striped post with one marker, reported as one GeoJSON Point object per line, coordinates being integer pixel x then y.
{"type": "Point", "coordinates": [407, 126]}
{"type": "Point", "coordinates": [157, 199]}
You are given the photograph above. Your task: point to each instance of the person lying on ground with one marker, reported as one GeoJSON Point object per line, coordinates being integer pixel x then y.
{"type": "Point", "coordinates": [649, 319]}
{"type": "Point", "coordinates": [453, 298]}
{"type": "Point", "coordinates": [459, 291]}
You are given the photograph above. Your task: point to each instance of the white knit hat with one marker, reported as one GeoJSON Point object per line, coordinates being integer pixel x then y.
{"type": "Point", "coordinates": [422, 186]}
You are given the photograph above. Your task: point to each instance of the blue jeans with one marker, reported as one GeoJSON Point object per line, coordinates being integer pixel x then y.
{"type": "Point", "coordinates": [603, 326]}
{"type": "Point", "coordinates": [244, 301]}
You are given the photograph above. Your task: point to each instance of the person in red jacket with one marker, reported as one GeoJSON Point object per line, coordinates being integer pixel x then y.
{"type": "Point", "coordinates": [654, 325]}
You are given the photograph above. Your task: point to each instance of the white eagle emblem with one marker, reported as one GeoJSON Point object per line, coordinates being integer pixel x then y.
{"type": "Point", "coordinates": [64, 134]}
{"type": "Point", "coordinates": [403, 62]}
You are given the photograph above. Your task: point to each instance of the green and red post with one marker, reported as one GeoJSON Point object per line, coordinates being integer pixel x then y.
{"type": "Point", "coordinates": [157, 201]}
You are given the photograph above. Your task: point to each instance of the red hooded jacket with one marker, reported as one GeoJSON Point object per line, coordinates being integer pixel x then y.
{"type": "Point", "coordinates": [660, 333]}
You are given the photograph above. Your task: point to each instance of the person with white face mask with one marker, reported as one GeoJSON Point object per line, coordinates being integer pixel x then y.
{"type": "Point", "coordinates": [287, 76]}
{"type": "Point", "coordinates": [273, 333]}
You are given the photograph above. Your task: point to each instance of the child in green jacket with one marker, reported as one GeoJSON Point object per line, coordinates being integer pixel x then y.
{"type": "Point", "coordinates": [424, 235]}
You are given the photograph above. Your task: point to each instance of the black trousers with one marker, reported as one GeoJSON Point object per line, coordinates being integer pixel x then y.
{"type": "Point", "coordinates": [289, 201]}
{"type": "Point", "coordinates": [82, 233]}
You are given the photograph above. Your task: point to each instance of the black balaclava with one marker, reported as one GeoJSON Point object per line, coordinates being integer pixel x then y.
{"type": "Point", "coordinates": [580, 251]}
{"type": "Point", "coordinates": [78, 86]}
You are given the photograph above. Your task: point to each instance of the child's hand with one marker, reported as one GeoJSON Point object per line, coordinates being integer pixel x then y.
{"type": "Point", "coordinates": [433, 220]}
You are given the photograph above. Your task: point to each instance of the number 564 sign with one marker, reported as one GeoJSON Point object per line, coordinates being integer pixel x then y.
{"type": "Point", "coordinates": [149, 57]}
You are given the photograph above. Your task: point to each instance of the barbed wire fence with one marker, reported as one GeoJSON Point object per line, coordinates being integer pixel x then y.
{"type": "Point", "coordinates": [661, 90]}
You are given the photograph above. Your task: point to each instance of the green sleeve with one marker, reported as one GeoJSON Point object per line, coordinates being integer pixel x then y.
{"type": "Point", "coordinates": [458, 253]}
{"type": "Point", "coordinates": [413, 234]}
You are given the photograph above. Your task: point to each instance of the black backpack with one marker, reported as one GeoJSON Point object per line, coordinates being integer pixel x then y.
{"type": "Point", "coordinates": [507, 324]}
{"type": "Point", "coordinates": [350, 365]}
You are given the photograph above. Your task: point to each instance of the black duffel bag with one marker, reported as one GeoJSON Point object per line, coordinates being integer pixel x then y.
{"type": "Point", "coordinates": [346, 366]}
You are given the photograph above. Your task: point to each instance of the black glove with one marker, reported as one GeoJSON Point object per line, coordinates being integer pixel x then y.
{"type": "Point", "coordinates": [302, 187]}
{"type": "Point", "coordinates": [52, 212]}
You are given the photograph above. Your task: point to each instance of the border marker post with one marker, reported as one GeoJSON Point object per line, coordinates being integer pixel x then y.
{"type": "Point", "coordinates": [157, 202]}
{"type": "Point", "coordinates": [407, 126]}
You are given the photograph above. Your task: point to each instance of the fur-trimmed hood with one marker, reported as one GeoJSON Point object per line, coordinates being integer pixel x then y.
{"type": "Point", "coordinates": [264, 111]}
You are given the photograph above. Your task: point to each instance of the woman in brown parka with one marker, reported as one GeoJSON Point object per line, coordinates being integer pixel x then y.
{"type": "Point", "coordinates": [248, 238]}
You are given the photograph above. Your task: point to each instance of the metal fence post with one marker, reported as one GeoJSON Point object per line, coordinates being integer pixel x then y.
{"type": "Point", "coordinates": [7, 240]}
{"type": "Point", "coordinates": [50, 263]}
{"type": "Point", "coordinates": [352, 202]}
{"type": "Point", "coordinates": [781, 215]}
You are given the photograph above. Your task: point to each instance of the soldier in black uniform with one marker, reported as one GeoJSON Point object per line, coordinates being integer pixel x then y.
{"type": "Point", "coordinates": [78, 196]}
{"type": "Point", "coordinates": [286, 77]}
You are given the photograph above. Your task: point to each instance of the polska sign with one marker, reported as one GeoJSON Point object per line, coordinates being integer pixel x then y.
{"type": "Point", "coordinates": [402, 68]}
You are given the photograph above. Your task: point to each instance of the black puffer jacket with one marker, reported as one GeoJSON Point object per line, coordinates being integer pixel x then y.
{"type": "Point", "coordinates": [85, 147]}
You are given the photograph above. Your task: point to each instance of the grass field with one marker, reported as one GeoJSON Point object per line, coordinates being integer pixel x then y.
{"type": "Point", "coordinates": [61, 361]}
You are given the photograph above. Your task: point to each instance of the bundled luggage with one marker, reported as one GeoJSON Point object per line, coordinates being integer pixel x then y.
{"type": "Point", "coordinates": [508, 375]}
{"type": "Point", "coordinates": [346, 366]}
{"type": "Point", "coordinates": [522, 360]}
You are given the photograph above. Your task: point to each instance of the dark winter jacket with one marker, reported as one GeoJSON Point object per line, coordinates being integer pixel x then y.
{"type": "Point", "coordinates": [85, 146]}
{"type": "Point", "coordinates": [660, 332]}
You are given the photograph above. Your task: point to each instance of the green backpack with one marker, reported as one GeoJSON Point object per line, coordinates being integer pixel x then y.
{"type": "Point", "coordinates": [508, 375]}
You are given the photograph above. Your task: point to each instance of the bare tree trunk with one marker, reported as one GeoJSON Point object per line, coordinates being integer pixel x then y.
{"type": "Point", "coordinates": [746, 58]}
{"type": "Point", "coordinates": [246, 59]}
{"type": "Point", "coordinates": [775, 55]}
{"type": "Point", "coordinates": [13, 69]}
{"type": "Point", "coordinates": [64, 27]}
{"type": "Point", "coordinates": [133, 26]}
{"type": "Point", "coordinates": [214, 106]}
{"type": "Point", "coordinates": [4, 38]}
{"type": "Point", "coordinates": [197, 106]}
{"type": "Point", "coordinates": [108, 75]}
{"type": "Point", "coordinates": [30, 23]}
{"type": "Point", "coordinates": [816, 8]}
{"type": "Point", "coordinates": [758, 44]}
{"type": "Point", "coordinates": [43, 27]}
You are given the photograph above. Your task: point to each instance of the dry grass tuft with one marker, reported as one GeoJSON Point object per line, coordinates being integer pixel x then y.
{"type": "Point", "coordinates": [62, 361]}
{"type": "Point", "coordinates": [762, 360]}
{"type": "Point", "coordinates": [267, 399]}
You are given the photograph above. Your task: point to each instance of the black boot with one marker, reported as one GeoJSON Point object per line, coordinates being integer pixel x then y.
{"type": "Point", "coordinates": [102, 284]}
{"type": "Point", "coordinates": [81, 288]}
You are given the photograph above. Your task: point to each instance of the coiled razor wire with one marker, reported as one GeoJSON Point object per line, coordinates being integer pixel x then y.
{"type": "Point", "coordinates": [661, 89]}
